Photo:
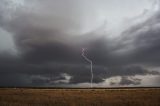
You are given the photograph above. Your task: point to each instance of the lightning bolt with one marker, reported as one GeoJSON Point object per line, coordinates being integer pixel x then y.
{"type": "Point", "coordinates": [90, 61]}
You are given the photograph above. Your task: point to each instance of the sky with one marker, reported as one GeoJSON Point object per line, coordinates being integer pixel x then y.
{"type": "Point", "coordinates": [41, 43]}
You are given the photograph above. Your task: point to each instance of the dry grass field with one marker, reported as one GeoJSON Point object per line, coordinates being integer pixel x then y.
{"type": "Point", "coordinates": [80, 97]}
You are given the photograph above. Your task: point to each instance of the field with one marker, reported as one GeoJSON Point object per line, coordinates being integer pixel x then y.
{"type": "Point", "coordinates": [80, 97]}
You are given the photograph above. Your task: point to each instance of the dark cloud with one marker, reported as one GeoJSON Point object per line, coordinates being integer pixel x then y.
{"type": "Point", "coordinates": [49, 73]}
{"type": "Point", "coordinates": [48, 54]}
{"type": "Point", "coordinates": [145, 41]}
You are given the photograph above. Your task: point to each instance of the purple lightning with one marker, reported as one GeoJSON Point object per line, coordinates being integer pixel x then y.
{"type": "Point", "coordinates": [88, 60]}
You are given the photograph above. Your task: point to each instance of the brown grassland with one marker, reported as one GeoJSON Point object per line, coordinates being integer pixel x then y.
{"type": "Point", "coordinates": [80, 97]}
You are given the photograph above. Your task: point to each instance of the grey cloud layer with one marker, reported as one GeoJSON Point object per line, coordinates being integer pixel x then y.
{"type": "Point", "coordinates": [49, 51]}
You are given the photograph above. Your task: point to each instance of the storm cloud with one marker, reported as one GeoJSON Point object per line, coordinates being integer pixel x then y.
{"type": "Point", "coordinates": [41, 42]}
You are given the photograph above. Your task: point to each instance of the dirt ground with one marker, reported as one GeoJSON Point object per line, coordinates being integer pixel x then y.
{"type": "Point", "coordinates": [80, 97]}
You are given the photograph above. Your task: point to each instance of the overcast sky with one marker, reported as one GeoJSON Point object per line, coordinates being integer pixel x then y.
{"type": "Point", "coordinates": [41, 42]}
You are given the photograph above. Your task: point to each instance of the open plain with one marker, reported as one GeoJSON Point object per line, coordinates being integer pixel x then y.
{"type": "Point", "coordinates": [80, 97]}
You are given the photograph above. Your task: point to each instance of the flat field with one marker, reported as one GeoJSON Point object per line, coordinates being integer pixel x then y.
{"type": "Point", "coordinates": [80, 97]}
